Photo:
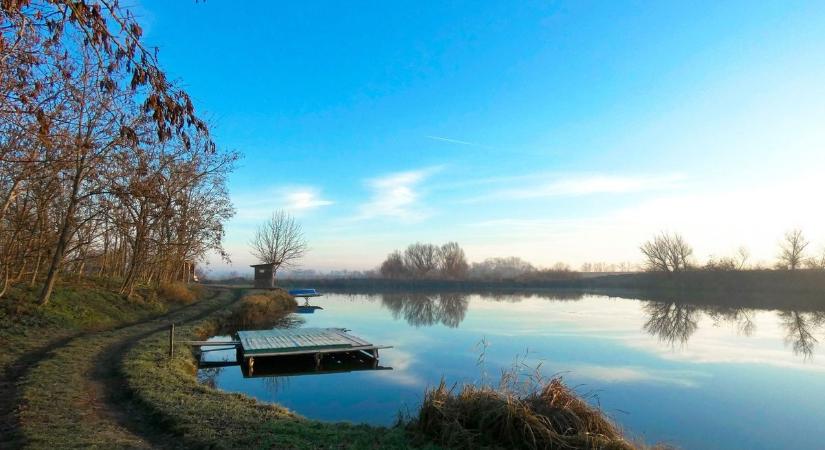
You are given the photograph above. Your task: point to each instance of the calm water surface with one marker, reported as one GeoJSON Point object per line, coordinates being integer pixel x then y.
{"type": "Point", "coordinates": [699, 378]}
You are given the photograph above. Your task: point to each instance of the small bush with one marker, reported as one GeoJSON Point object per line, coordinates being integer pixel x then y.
{"type": "Point", "coordinates": [262, 310]}
{"type": "Point", "coordinates": [547, 417]}
{"type": "Point", "coordinates": [176, 292]}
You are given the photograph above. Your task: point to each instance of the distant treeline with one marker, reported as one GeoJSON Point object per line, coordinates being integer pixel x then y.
{"type": "Point", "coordinates": [448, 262]}
{"type": "Point", "coordinates": [803, 289]}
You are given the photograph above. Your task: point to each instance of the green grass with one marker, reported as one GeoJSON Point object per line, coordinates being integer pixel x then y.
{"type": "Point", "coordinates": [37, 343]}
{"type": "Point", "coordinates": [73, 309]}
{"type": "Point", "coordinates": [68, 396]}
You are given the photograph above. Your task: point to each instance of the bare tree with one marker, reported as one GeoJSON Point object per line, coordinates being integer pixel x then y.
{"type": "Point", "coordinates": [738, 261]}
{"type": "Point", "coordinates": [792, 254]}
{"type": "Point", "coordinates": [741, 258]}
{"type": "Point", "coordinates": [453, 262]}
{"type": "Point", "coordinates": [422, 259]}
{"type": "Point", "coordinates": [393, 266]}
{"type": "Point", "coordinates": [105, 168]}
{"type": "Point", "coordinates": [501, 268]}
{"type": "Point", "coordinates": [818, 262]}
{"type": "Point", "coordinates": [667, 252]}
{"type": "Point", "coordinates": [279, 241]}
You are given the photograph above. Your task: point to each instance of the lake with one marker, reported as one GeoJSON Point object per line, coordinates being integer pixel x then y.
{"type": "Point", "coordinates": [695, 377]}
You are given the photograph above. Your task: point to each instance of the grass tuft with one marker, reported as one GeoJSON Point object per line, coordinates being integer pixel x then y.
{"type": "Point", "coordinates": [516, 415]}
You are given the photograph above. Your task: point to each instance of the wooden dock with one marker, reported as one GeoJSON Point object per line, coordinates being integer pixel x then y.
{"type": "Point", "coordinates": [315, 342]}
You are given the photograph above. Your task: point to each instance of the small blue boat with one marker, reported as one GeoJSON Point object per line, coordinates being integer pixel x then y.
{"type": "Point", "coordinates": [305, 293]}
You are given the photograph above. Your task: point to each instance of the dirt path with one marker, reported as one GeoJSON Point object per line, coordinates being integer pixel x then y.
{"type": "Point", "coordinates": [73, 396]}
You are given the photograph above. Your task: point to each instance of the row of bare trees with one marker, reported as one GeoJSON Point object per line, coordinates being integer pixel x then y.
{"type": "Point", "coordinates": [426, 261]}
{"type": "Point", "coordinates": [670, 253]}
{"type": "Point", "coordinates": [104, 167]}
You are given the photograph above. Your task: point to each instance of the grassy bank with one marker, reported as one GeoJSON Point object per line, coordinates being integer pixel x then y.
{"type": "Point", "coordinates": [82, 306]}
{"type": "Point", "coordinates": [30, 332]}
{"type": "Point", "coordinates": [44, 351]}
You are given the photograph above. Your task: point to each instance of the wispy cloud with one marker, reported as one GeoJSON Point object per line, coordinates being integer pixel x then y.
{"type": "Point", "coordinates": [638, 374]}
{"type": "Point", "coordinates": [304, 199]}
{"type": "Point", "coordinates": [295, 199]}
{"type": "Point", "coordinates": [587, 185]}
{"type": "Point", "coordinates": [397, 195]}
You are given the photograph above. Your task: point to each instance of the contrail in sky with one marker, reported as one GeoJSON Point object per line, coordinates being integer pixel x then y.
{"type": "Point", "coordinates": [455, 141]}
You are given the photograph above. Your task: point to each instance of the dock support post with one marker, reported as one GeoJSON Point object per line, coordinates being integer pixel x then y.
{"type": "Point", "coordinates": [318, 361]}
{"type": "Point", "coordinates": [171, 340]}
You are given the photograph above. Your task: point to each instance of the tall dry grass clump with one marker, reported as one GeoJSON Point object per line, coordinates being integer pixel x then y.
{"type": "Point", "coordinates": [262, 309]}
{"type": "Point", "coordinates": [547, 416]}
{"type": "Point", "coordinates": [176, 292]}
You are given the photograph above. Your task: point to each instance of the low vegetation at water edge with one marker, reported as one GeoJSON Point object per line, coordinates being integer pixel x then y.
{"type": "Point", "coordinates": [551, 416]}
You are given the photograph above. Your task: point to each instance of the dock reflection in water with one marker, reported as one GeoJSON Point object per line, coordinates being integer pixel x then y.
{"type": "Point", "coordinates": [294, 365]}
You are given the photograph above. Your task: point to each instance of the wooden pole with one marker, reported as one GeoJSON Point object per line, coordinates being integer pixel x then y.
{"type": "Point", "coordinates": [171, 340]}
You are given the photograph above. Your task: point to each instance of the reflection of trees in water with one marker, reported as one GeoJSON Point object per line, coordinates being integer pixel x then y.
{"type": "Point", "coordinates": [674, 322]}
{"type": "Point", "coordinates": [671, 322]}
{"type": "Point", "coordinates": [740, 318]}
{"type": "Point", "coordinates": [420, 309]}
{"type": "Point", "coordinates": [274, 385]}
{"type": "Point", "coordinates": [800, 329]}
{"type": "Point", "coordinates": [515, 297]}
{"type": "Point", "coordinates": [246, 320]}
{"type": "Point", "coordinates": [209, 376]}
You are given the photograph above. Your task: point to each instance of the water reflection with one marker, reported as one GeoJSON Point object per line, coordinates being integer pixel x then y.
{"type": "Point", "coordinates": [741, 318]}
{"type": "Point", "coordinates": [800, 329]}
{"type": "Point", "coordinates": [209, 375]}
{"type": "Point", "coordinates": [420, 309]}
{"type": "Point", "coordinates": [673, 323]}
{"type": "Point", "coordinates": [735, 356]}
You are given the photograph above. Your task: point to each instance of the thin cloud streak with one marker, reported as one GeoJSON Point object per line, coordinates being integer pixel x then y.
{"type": "Point", "coordinates": [456, 141]}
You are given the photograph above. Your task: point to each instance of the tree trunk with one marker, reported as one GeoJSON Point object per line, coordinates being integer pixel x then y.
{"type": "Point", "coordinates": [5, 283]}
{"type": "Point", "coordinates": [36, 269]}
{"type": "Point", "coordinates": [63, 240]}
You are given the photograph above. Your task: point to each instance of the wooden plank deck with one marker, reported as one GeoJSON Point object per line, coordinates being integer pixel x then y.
{"type": "Point", "coordinates": [301, 341]}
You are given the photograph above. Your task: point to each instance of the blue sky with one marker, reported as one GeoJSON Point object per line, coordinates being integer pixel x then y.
{"type": "Point", "coordinates": [553, 131]}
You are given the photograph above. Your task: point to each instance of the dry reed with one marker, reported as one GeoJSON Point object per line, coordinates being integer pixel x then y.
{"type": "Point", "coordinates": [522, 412]}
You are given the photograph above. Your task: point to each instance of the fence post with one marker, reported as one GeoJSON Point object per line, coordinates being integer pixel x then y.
{"type": "Point", "coordinates": [171, 340]}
